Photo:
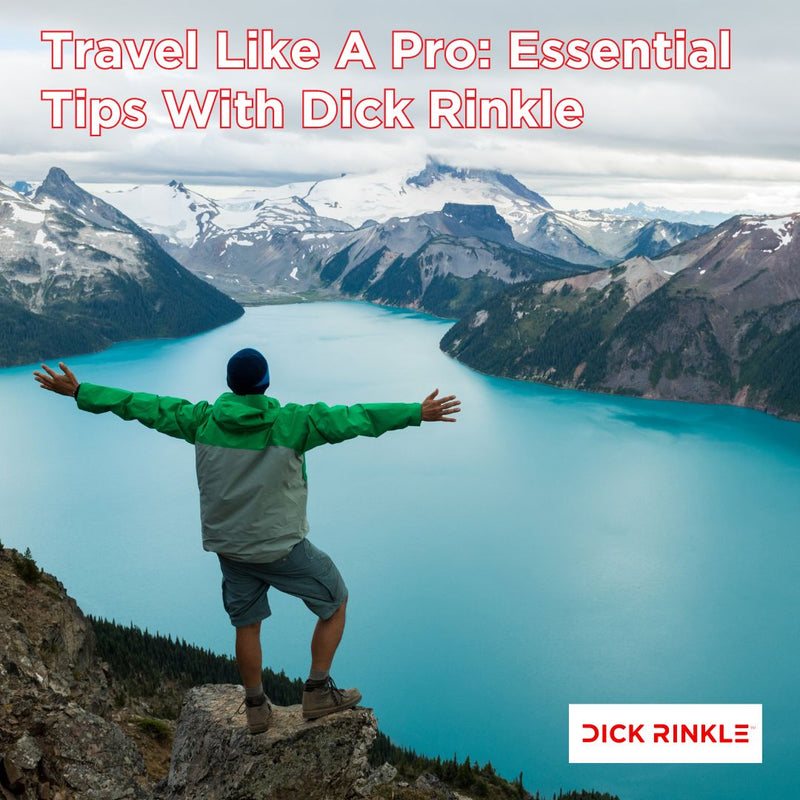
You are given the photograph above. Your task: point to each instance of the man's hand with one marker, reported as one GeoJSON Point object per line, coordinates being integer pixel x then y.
{"type": "Point", "coordinates": [66, 384]}
{"type": "Point", "coordinates": [438, 410]}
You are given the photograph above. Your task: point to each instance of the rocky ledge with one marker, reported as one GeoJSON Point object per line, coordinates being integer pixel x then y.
{"type": "Point", "coordinates": [215, 758]}
{"type": "Point", "coordinates": [62, 739]}
{"type": "Point", "coordinates": [56, 740]}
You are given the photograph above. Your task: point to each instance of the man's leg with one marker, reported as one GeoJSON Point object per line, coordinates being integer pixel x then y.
{"type": "Point", "coordinates": [248, 654]}
{"type": "Point", "coordinates": [320, 695]}
{"type": "Point", "coordinates": [244, 595]}
{"type": "Point", "coordinates": [248, 659]}
{"type": "Point", "coordinates": [310, 574]}
{"type": "Point", "coordinates": [326, 638]}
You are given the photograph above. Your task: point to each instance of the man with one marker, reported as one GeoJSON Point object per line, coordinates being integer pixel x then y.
{"type": "Point", "coordinates": [251, 472]}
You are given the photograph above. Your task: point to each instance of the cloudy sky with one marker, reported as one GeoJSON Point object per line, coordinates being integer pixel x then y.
{"type": "Point", "coordinates": [721, 140]}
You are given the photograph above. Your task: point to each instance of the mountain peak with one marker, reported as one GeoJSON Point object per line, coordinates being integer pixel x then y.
{"type": "Point", "coordinates": [436, 170]}
{"type": "Point", "coordinates": [21, 187]}
{"type": "Point", "coordinates": [58, 174]}
{"type": "Point", "coordinates": [59, 186]}
{"type": "Point", "coordinates": [641, 210]}
{"type": "Point", "coordinates": [465, 220]}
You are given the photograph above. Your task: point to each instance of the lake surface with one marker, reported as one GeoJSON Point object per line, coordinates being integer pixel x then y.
{"type": "Point", "coordinates": [553, 547]}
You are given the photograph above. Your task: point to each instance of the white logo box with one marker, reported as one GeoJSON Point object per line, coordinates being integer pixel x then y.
{"type": "Point", "coordinates": [673, 733]}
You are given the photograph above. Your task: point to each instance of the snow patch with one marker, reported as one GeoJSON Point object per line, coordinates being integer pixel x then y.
{"type": "Point", "coordinates": [41, 241]}
{"type": "Point", "coordinates": [293, 274]}
{"type": "Point", "coordinates": [178, 215]}
{"type": "Point", "coordinates": [782, 227]}
{"type": "Point", "coordinates": [479, 318]}
{"type": "Point", "coordinates": [30, 215]}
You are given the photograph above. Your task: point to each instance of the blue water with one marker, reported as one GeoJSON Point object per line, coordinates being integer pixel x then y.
{"type": "Point", "coordinates": [552, 547]}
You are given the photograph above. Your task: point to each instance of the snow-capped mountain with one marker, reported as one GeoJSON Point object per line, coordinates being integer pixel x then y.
{"type": "Point", "coordinates": [183, 217]}
{"type": "Point", "coordinates": [405, 192]}
{"type": "Point", "coordinates": [644, 211]}
{"type": "Point", "coordinates": [438, 261]}
{"type": "Point", "coordinates": [443, 262]}
{"type": "Point", "coordinates": [251, 248]}
{"type": "Point", "coordinates": [266, 242]}
{"type": "Point", "coordinates": [599, 239]}
{"type": "Point", "coordinates": [172, 212]}
{"type": "Point", "coordinates": [583, 237]}
{"type": "Point", "coordinates": [76, 274]}
{"type": "Point", "coordinates": [751, 261]}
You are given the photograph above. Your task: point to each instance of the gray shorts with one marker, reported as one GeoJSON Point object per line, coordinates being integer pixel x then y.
{"type": "Point", "coordinates": [306, 572]}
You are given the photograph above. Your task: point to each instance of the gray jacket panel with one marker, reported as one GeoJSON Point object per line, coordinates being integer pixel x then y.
{"type": "Point", "coordinates": [252, 502]}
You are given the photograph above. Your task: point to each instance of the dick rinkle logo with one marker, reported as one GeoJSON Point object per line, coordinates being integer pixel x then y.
{"type": "Point", "coordinates": [665, 733]}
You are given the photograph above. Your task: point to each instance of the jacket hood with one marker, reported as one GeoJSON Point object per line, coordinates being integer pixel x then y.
{"type": "Point", "coordinates": [249, 411]}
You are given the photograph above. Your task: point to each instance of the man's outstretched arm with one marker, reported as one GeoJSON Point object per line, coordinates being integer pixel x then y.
{"type": "Point", "coordinates": [312, 426]}
{"type": "Point", "coordinates": [170, 415]}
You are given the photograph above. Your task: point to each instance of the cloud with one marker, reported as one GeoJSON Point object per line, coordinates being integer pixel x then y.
{"type": "Point", "coordinates": [703, 138]}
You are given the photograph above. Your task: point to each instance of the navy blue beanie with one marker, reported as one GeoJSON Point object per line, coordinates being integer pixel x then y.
{"type": "Point", "coordinates": [248, 372]}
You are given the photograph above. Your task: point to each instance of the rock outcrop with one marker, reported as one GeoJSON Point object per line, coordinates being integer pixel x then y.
{"type": "Point", "coordinates": [70, 731]}
{"type": "Point", "coordinates": [215, 758]}
{"type": "Point", "coordinates": [55, 742]}
{"type": "Point", "coordinates": [61, 738]}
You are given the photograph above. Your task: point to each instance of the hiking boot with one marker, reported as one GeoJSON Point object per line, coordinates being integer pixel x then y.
{"type": "Point", "coordinates": [327, 698]}
{"type": "Point", "coordinates": [258, 712]}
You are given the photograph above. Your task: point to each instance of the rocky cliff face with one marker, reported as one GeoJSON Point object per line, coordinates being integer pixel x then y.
{"type": "Point", "coordinates": [59, 739]}
{"type": "Point", "coordinates": [214, 757]}
{"type": "Point", "coordinates": [442, 262]}
{"type": "Point", "coordinates": [55, 738]}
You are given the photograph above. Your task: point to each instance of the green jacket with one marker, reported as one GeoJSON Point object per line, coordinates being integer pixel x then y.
{"type": "Point", "coordinates": [250, 457]}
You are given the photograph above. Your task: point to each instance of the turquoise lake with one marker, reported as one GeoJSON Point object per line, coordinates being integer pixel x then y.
{"type": "Point", "coordinates": [552, 547]}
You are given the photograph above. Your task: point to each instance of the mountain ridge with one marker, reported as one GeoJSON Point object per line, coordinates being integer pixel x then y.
{"type": "Point", "coordinates": [715, 319]}
{"type": "Point", "coordinates": [76, 274]}
{"type": "Point", "coordinates": [645, 211]}
{"type": "Point", "coordinates": [356, 201]}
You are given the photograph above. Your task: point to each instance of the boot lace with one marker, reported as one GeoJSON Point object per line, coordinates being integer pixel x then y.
{"type": "Point", "coordinates": [336, 693]}
{"type": "Point", "coordinates": [243, 707]}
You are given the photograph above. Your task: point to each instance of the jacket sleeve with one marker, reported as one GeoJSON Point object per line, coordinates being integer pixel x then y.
{"type": "Point", "coordinates": [319, 424]}
{"type": "Point", "coordinates": [170, 415]}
